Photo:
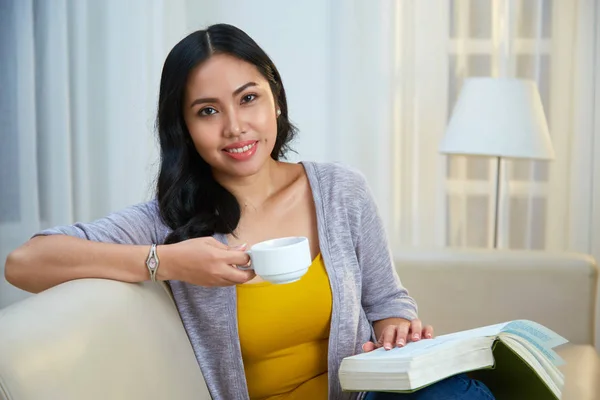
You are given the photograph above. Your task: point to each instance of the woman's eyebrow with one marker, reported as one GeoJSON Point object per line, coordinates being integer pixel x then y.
{"type": "Point", "coordinates": [214, 100]}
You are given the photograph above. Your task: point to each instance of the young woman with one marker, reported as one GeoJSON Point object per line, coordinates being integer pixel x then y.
{"type": "Point", "coordinates": [223, 127]}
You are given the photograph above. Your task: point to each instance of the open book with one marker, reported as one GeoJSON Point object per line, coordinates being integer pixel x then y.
{"type": "Point", "coordinates": [514, 359]}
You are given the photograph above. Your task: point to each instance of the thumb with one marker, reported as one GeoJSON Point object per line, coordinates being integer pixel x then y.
{"type": "Point", "coordinates": [369, 346]}
{"type": "Point", "coordinates": [240, 247]}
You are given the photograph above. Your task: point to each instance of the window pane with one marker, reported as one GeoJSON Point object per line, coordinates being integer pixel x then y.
{"type": "Point", "coordinates": [538, 223]}
{"type": "Point", "coordinates": [519, 218]}
{"type": "Point", "coordinates": [478, 168]}
{"type": "Point", "coordinates": [475, 223]}
{"type": "Point", "coordinates": [480, 19]}
{"type": "Point", "coordinates": [527, 18]}
{"type": "Point", "coordinates": [540, 171]}
{"type": "Point", "coordinates": [519, 169]}
{"type": "Point", "coordinates": [537, 68]}
{"type": "Point", "coordinates": [479, 65]}
{"type": "Point", "coordinates": [517, 223]}
{"type": "Point", "coordinates": [452, 166]}
{"type": "Point", "coordinates": [529, 15]}
{"type": "Point", "coordinates": [453, 213]}
{"type": "Point", "coordinates": [477, 226]}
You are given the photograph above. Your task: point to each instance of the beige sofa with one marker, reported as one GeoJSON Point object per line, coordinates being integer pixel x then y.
{"type": "Point", "coordinates": [98, 339]}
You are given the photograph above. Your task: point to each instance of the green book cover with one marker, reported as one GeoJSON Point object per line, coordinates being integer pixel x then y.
{"type": "Point", "coordinates": [512, 378]}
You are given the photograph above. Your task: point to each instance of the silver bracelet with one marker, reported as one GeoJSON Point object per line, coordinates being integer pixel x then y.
{"type": "Point", "coordinates": [152, 263]}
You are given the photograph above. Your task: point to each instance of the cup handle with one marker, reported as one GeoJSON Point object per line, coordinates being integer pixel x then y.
{"type": "Point", "coordinates": [249, 267]}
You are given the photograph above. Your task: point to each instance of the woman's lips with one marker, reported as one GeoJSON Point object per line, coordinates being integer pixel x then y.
{"type": "Point", "coordinates": [241, 151]}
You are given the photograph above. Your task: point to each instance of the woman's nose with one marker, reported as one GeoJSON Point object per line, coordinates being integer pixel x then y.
{"type": "Point", "coordinates": [234, 125]}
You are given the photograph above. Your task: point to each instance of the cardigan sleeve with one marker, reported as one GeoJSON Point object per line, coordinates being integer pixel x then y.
{"type": "Point", "coordinates": [139, 224]}
{"type": "Point", "coordinates": [383, 295]}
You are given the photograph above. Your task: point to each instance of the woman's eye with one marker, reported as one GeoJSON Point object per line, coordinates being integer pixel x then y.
{"type": "Point", "coordinates": [248, 98]}
{"type": "Point", "coordinates": [207, 111]}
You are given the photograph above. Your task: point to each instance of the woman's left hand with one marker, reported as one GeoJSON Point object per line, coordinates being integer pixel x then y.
{"type": "Point", "coordinates": [398, 332]}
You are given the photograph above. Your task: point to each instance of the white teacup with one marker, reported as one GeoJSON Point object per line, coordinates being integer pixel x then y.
{"type": "Point", "coordinates": [283, 260]}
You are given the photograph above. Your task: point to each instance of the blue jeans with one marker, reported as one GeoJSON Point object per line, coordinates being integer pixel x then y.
{"type": "Point", "coordinates": [459, 387]}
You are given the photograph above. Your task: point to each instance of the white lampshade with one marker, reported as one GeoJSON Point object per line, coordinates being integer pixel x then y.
{"type": "Point", "coordinates": [498, 117]}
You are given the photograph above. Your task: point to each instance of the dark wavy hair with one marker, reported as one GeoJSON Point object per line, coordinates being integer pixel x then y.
{"type": "Point", "coordinates": [191, 202]}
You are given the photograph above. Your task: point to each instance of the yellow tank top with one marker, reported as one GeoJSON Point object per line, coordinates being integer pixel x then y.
{"type": "Point", "coordinates": [284, 332]}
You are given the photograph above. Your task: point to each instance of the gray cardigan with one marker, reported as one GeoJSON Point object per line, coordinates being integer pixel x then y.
{"type": "Point", "coordinates": [353, 244]}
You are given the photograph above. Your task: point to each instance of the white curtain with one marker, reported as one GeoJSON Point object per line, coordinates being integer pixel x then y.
{"type": "Point", "coordinates": [584, 175]}
{"type": "Point", "coordinates": [79, 86]}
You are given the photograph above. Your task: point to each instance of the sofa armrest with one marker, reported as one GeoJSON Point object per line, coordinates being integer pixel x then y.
{"type": "Point", "coordinates": [97, 339]}
{"type": "Point", "coordinates": [459, 289]}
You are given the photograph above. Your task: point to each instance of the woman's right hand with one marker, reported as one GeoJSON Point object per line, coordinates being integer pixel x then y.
{"type": "Point", "coordinates": [204, 262]}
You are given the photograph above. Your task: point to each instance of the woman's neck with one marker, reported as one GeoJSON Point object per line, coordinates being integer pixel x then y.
{"type": "Point", "coordinates": [252, 191]}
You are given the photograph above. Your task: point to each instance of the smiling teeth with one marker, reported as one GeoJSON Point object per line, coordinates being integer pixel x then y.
{"type": "Point", "coordinates": [241, 149]}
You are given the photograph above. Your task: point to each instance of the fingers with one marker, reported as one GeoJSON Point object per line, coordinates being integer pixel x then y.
{"type": "Point", "coordinates": [234, 276]}
{"type": "Point", "coordinates": [402, 334]}
{"type": "Point", "coordinates": [235, 257]}
{"type": "Point", "coordinates": [415, 330]}
{"type": "Point", "coordinates": [427, 332]}
{"type": "Point", "coordinates": [211, 241]}
{"type": "Point", "coordinates": [369, 346]}
{"type": "Point", "coordinates": [387, 337]}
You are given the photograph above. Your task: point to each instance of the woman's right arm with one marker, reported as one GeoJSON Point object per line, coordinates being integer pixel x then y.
{"type": "Point", "coordinates": [46, 261]}
{"type": "Point", "coordinates": [116, 247]}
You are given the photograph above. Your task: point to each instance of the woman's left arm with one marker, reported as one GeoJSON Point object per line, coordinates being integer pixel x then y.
{"type": "Point", "coordinates": [385, 301]}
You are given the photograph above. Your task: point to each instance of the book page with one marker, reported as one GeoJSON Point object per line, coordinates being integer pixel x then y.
{"type": "Point", "coordinates": [413, 349]}
{"type": "Point", "coordinates": [408, 351]}
{"type": "Point", "coordinates": [538, 336]}
{"type": "Point", "coordinates": [490, 330]}
{"type": "Point", "coordinates": [534, 333]}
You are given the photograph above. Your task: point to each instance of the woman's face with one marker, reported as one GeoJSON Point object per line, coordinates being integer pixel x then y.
{"type": "Point", "coordinates": [231, 115]}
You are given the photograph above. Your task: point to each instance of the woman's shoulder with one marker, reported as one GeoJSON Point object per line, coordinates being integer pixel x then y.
{"type": "Point", "coordinates": [147, 208]}
{"type": "Point", "coordinates": [338, 186]}
{"type": "Point", "coordinates": [142, 214]}
{"type": "Point", "coordinates": [336, 175]}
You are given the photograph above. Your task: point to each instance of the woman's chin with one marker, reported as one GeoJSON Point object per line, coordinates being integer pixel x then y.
{"type": "Point", "coordinates": [243, 169]}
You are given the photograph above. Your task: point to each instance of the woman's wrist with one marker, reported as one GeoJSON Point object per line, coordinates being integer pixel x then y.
{"type": "Point", "coordinates": [165, 267]}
